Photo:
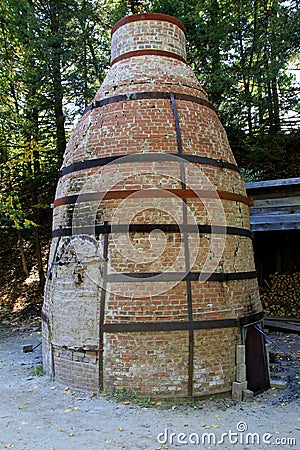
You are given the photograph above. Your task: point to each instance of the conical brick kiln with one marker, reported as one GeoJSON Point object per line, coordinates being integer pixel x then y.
{"type": "Point", "coordinates": [151, 284]}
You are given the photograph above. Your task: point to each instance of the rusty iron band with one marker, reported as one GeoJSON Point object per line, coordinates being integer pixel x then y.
{"type": "Point", "coordinates": [148, 277]}
{"type": "Point", "coordinates": [148, 227]}
{"type": "Point", "coordinates": [176, 326]}
{"type": "Point", "coordinates": [145, 52]}
{"type": "Point", "coordinates": [148, 16]}
{"type": "Point", "coordinates": [147, 96]}
{"type": "Point", "coordinates": [152, 193]}
{"type": "Point", "coordinates": [145, 158]}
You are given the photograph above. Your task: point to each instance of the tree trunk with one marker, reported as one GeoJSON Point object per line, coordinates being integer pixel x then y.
{"type": "Point", "coordinates": [270, 107]}
{"type": "Point", "coordinates": [216, 88]}
{"type": "Point", "coordinates": [38, 252]}
{"type": "Point", "coordinates": [22, 253]}
{"type": "Point", "coordinates": [56, 20]}
{"type": "Point", "coordinates": [276, 109]}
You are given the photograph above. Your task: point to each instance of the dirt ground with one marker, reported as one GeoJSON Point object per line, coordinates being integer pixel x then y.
{"type": "Point", "coordinates": [38, 413]}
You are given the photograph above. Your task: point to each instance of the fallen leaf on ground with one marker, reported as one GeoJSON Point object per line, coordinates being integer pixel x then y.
{"type": "Point", "coordinates": [9, 445]}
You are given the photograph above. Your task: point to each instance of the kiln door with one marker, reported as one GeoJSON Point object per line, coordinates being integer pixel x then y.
{"type": "Point", "coordinates": [256, 360]}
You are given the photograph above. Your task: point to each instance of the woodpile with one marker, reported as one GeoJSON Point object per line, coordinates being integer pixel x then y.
{"type": "Point", "coordinates": [282, 296]}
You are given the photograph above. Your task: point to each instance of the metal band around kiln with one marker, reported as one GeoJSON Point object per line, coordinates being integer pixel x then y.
{"type": "Point", "coordinates": [148, 227]}
{"type": "Point", "coordinates": [144, 157]}
{"type": "Point", "coordinates": [151, 193]}
{"type": "Point", "coordinates": [148, 277]}
{"type": "Point", "coordinates": [148, 96]}
{"type": "Point", "coordinates": [138, 327]}
{"type": "Point", "coordinates": [174, 326]}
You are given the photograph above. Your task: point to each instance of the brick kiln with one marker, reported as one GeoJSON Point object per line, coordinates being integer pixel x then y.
{"type": "Point", "coordinates": [151, 284]}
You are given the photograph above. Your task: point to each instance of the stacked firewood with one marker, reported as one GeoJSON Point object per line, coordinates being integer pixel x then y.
{"type": "Point", "coordinates": [282, 296]}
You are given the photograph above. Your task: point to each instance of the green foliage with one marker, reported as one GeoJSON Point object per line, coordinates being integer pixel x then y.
{"type": "Point", "coordinates": [265, 158]}
{"type": "Point", "coordinates": [122, 396]}
{"type": "Point", "coordinates": [240, 52]}
{"type": "Point", "coordinates": [38, 371]}
{"type": "Point", "coordinates": [12, 213]}
{"type": "Point", "coordinates": [54, 55]}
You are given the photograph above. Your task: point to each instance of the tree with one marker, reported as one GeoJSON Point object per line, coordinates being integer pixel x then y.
{"type": "Point", "coordinates": [55, 53]}
{"type": "Point", "coordinates": [24, 134]}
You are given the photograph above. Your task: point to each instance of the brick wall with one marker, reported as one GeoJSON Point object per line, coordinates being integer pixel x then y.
{"type": "Point", "coordinates": [148, 34]}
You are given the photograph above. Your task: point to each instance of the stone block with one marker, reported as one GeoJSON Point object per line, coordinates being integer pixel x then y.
{"type": "Point", "coordinates": [241, 372]}
{"type": "Point", "coordinates": [248, 395]}
{"type": "Point", "coordinates": [237, 391]}
{"type": "Point", "coordinates": [27, 348]}
{"type": "Point", "coordinates": [245, 385]}
{"type": "Point", "coordinates": [240, 354]}
{"type": "Point", "coordinates": [278, 384]}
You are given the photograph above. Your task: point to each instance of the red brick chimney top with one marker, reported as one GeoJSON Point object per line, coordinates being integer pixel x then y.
{"type": "Point", "coordinates": [149, 16]}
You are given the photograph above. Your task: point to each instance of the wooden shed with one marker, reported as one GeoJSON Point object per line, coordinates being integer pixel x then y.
{"type": "Point", "coordinates": [275, 223]}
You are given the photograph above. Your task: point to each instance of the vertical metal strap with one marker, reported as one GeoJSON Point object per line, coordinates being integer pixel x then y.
{"type": "Point", "coordinates": [186, 250]}
{"type": "Point", "coordinates": [176, 117]}
{"type": "Point", "coordinates": [102, 309]}
{"type": "Point", "coordinates": [48, 278]}
{"type": "Point", "coordinates": [49, 271]}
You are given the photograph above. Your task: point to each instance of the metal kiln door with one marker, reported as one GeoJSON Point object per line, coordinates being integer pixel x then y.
{"type": "Point", "coordinates": [256, 360]}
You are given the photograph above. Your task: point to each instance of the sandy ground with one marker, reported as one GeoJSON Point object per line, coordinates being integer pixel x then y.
{"type": "Point", "coordinates": [37, 413]}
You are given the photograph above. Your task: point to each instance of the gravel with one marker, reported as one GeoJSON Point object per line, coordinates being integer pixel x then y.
{"type": "Point", "coordinates": [38, 413]}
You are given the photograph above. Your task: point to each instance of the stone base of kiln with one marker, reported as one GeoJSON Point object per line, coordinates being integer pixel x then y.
{"type": "Point", "coordinates": [155, 364]}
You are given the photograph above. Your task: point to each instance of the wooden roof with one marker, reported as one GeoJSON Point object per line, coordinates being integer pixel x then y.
{"type": "Point", "coordinates": [276, 204]}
